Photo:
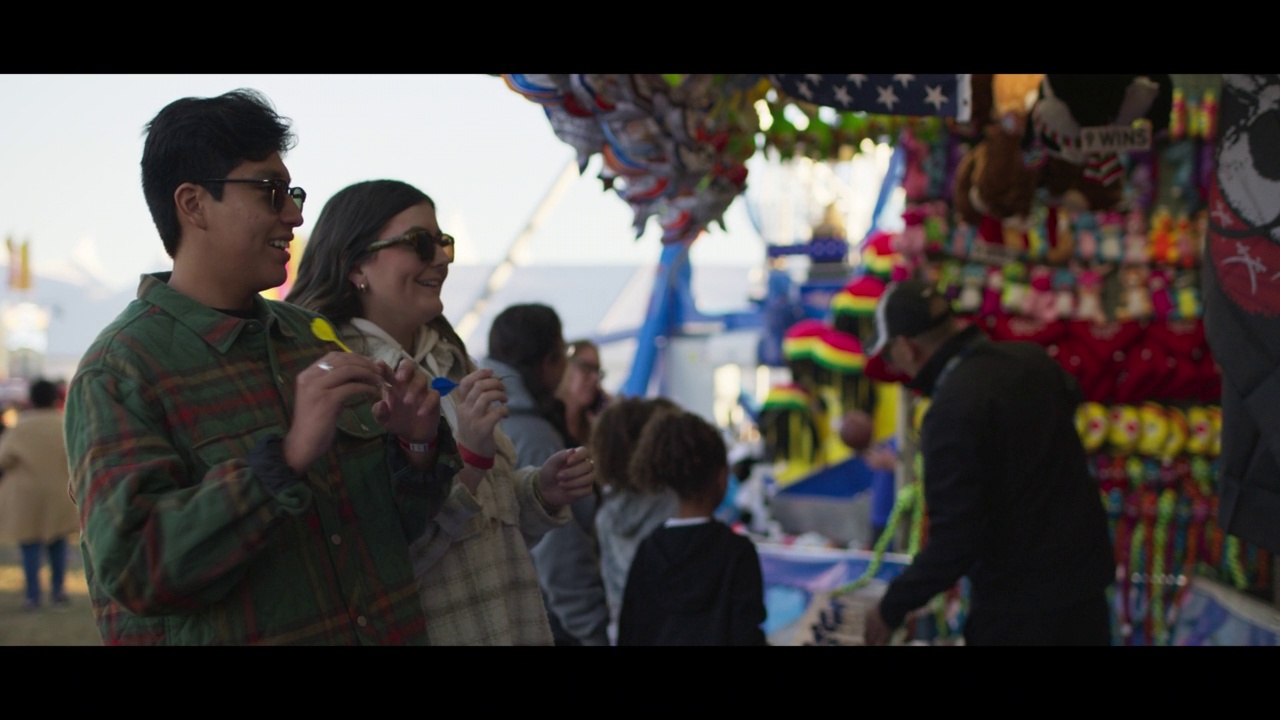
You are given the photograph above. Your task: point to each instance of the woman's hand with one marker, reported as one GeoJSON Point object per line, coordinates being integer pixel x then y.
{"type": "Point", "coordinates": [481, 403]}
{"type": "Point", "coordinates": [566, 476]}
{"type": "Point", "coordinates": [409, 407]}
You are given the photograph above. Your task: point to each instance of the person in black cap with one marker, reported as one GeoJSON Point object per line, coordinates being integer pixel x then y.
{"type": "Point", "coordinates": [1010, 501]}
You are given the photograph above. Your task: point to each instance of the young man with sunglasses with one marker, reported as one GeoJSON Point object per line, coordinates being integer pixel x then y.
{"type": "Point", "coordinates": [239, 480]}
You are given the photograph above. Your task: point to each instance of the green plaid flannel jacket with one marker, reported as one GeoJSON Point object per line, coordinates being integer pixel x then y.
{"type": "Point", "coordinates": [182, 542]}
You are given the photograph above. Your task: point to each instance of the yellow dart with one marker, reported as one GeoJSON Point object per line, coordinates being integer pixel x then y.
{"type": "Point", "coordinates": [323, 330]}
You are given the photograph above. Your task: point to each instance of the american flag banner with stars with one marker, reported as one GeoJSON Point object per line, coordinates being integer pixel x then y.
{"type": "Point", "coordinates": [940, 95]}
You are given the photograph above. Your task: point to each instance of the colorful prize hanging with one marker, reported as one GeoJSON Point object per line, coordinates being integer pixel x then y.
{"type": "Point", "coordinates": [791, 438]}
{"type": "Point", "coordinates": [799, 350]}
{"type": "Point", "coordinates": [841, 354]}
{"type": "Point", "coordinates": [853, 308]}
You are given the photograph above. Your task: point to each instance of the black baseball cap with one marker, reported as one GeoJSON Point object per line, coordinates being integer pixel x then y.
{"type": "Point", "coordinates": [905, 309]}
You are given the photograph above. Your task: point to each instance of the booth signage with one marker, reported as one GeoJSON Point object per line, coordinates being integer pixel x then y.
{"type": "Point", "coordinates": [1116, 138]}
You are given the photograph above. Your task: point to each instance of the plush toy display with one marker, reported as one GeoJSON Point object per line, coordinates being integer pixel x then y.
{"type": "Point", "coordinates": [1067, 104]}
{"type": "Point", "coordinates": [993, 183]}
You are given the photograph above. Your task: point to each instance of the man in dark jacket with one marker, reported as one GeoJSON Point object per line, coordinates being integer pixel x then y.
{"type": "Point", "coordinates": [1010, 501]}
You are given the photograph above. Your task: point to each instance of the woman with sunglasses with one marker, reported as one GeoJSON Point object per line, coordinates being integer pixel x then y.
{"type": "Point", "coordinates": [374, 265]}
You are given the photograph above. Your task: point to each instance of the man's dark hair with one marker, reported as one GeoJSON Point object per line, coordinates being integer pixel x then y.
{"type": "Point", "coordinates": [522, 336]}
{"type": "Point", "coordinates": [43, 394]}
{"type": "Point", "coordinates": [201, 138]}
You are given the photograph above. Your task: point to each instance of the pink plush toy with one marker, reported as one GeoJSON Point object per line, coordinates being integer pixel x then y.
{"type": "Point", "coordinates": [992, 292]}
{"type": "Point", "coordinates": [1160, 285]}
{"type": "Point", "coordinates": [1089, 297]}
{"type": "Point", "coordinates": [1040, 302]}
{"type": "Point", "coordinates": [1086, 225]}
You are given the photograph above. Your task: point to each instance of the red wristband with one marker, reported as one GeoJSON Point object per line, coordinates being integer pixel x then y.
{"type": "Point", "coordinates": [474, 460]}
{"type": "Point", "coordinates": [417, 447]}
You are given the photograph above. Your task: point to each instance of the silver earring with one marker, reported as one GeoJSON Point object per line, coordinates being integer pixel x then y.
{"type": "Point", "coordinates": [362, 287]}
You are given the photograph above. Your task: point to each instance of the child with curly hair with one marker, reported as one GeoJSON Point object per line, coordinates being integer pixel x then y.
{"type": "Point", "coordinates": [628, 512]}
{"type": "Point", "coordinates": [693, 581]}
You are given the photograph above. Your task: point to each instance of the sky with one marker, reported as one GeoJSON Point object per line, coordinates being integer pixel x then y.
{"type": "Point", "coordinates": [70, 147]}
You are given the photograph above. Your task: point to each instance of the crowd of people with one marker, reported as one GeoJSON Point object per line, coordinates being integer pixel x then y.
{"type": "Point", "coordinates": [337, 468]}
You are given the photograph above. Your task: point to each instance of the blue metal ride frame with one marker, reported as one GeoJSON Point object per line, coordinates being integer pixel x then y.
{"type": "Point", "coordinates": [671, 303]}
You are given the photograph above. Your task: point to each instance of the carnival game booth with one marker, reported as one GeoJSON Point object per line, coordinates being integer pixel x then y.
{"type": "Point", "coordinates": [1067, 210]}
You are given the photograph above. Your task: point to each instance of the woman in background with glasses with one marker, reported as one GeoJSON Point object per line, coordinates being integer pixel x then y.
{"type": "Point", "coordinates": [581, 391]}
{"type": "Point", "coordinates": [375, 265]}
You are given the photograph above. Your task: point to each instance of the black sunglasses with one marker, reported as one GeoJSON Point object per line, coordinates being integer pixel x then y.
{"type": "Point", "coordinates": [423, 242]}
{"type": "Point", "coordinates": [279, 190]}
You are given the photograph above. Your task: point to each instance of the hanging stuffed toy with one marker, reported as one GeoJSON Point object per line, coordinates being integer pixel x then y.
{"type": "Point", "coordinates": [994, 187]}
{"type": "Point", "coordinates": [915, 179]}
{"type": "Point", "coordinates": [949, 278]}
{"type": "Point", "coordinates": [1124, 429]}
{"type": "Point", "coordinates": [1179, 432]}
{"type": "Point", "coordinates": [972, 281]}
{"type": "Point", "coordinates": [879, 257]}
{"type": "Point", "coordinates": [1154, 423]}
{"type": "Point", "coordinates": [1135, 298]}
{"type": "Point", "coordinates": [1161, 236]}
{"type": "Point", "coordinates": [1139, 245]}
{"type": "Point", "coordinates": [787, 426]}
{"type": "Point", "coordinates": [1200, 440]}
{"type": "Point", "coordinates": [1039, 302]}
{"type": "Point", "coordinates": [853, 308]}
{"type": "Point", "coordinates": [799, 351]}
{"type": "Point", "coordinates": [1085, 224]}
{"type": "Point", "coordinates": [1014, 289]}
{"type": "Point", "coordinates": [1184, 251]}
{"type": "Point", "coordinates": [1186, 295]}
{"type": "Point", "coordinates": [1070, 104]}
{"type": "Point", "coordinates": [1089, 294]}
{"type": "Point", "coordinates": [1160, 285]}
{"type": "Point", "coordinates": [1092, 422]}
{"type": "Point", "coordinates": [1064, 292]}
{"type": "Point", "coordinates": [1111, 237]}
{"type": "Point", "coordinates": [842, 355]}
{"type": "Point", "coordinates": [992, 291]}
{"type": "Point", "coordinates": [1061, 238]}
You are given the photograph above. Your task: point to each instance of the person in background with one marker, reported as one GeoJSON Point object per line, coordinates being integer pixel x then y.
{"type": "Point", "coordinates": [628, 512]}
{"type": "Point", "coordinates": [693, 581]}
{"type": "Point", "coordinates": [580, 390]}
{"type": "Point", "coordinates": [1010, 501]}
{"type": "Point", "coordinates": [527, 348]}
{"type": "Point", "coordinates": [376, 264]}
{"type": "Point", "coordinates": [881, 460]}
{"type": "Point", "coordinates": [35, 511]}
{"type": "Point", "coordinates": [241, 481]}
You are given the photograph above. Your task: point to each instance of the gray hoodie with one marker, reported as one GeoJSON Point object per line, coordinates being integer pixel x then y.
{"type": "Point", "coordinates": [567, 558]}
{"type": "Point", "coordinates": [624, 519]}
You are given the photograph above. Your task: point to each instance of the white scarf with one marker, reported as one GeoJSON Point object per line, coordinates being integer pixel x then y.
{"type": "Point", "coordinates": [430, 352]}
